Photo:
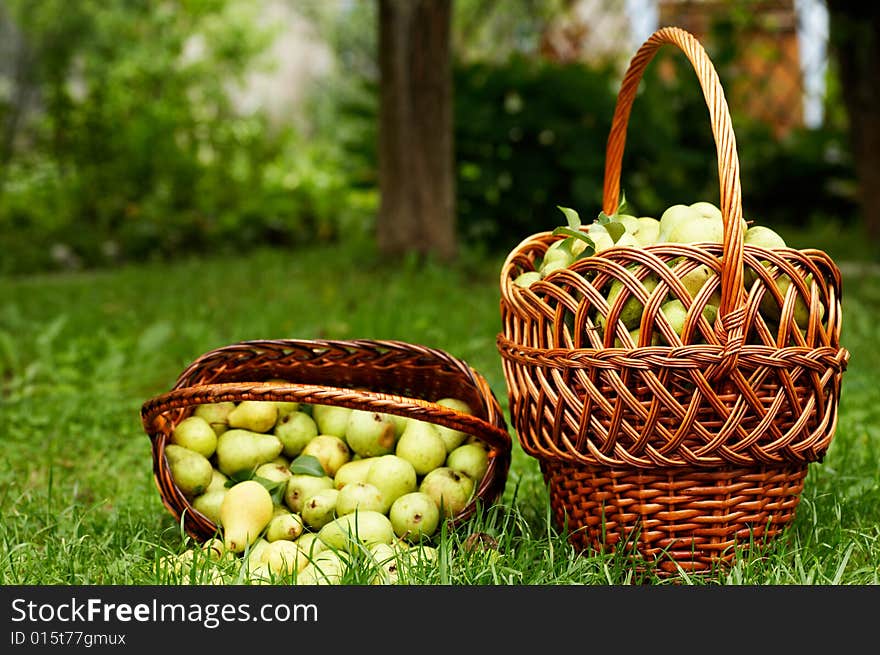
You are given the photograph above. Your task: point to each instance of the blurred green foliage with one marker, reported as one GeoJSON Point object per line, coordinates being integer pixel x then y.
{"type": "Point", "coordinates": [530, 134]}
{"type": "Point", "coordinates": [136, 151]}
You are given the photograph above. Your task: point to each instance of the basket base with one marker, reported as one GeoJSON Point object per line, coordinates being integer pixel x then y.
{"type": "Point", "coordinates": [690, 519]}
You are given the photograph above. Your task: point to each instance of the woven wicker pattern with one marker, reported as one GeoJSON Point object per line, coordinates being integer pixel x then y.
{"type": "Point", "coordinates": [384, 376]}
{"type": "Point", "coordinates": [748, 399]}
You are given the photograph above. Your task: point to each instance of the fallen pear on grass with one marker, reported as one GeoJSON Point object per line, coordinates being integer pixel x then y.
{"type": "Point", "coordinates": [365, 528]}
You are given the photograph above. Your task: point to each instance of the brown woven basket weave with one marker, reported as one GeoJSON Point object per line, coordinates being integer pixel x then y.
{"type": "Point", "coordinates": [690, 449]}
{"type": "Point", "coordinates": [383, 376]}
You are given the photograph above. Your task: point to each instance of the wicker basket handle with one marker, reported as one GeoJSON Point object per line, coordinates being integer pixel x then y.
{"type": "Point", "coordinates": [731, 313]}
{"type": "Point", "coordinates": [154, 419]}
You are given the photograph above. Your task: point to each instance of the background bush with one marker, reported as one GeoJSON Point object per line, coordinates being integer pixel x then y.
{"type": "Point", "coordinates": [136, 151]}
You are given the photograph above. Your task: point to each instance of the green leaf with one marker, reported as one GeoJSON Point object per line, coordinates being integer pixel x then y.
{"type": "Point", "coordinates": [616, 229]}
{"type": "Point", "coordinates": [307, 465]}
{"type": "Point", "coordinates": [622, 202]}
{"type": "Point", "coordinates": [240, 476]}
{"type": "Point", "coordinates": [574, 220]}
{"type": "Point", "coordinates": [276, 488]}
{"type": "Point", "coordinates": [603, 219]}
{"type": "Point", "coordinates": [576, 234]}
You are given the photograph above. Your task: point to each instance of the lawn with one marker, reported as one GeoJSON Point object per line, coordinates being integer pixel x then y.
{"type": "Point", "coordinates": [81, 352]}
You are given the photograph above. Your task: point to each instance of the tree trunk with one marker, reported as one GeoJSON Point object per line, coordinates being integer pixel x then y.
{"type": "Point", "coordinates": [855, 43]}
{"type": "Point", "coordinates": [416, 159]}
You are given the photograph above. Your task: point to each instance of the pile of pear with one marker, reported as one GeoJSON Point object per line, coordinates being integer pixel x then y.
{"type": "Point", "coordinates": [301, 492]}
{"type": "Point", "coordinates": [699, 222]}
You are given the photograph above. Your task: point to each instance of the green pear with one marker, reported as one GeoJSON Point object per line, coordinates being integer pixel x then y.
{"type": "Point", "coordinates": [239, 449]}
{"type": "Point", "coordinates": [422, 446]}
{"type": "Point", "coordinates": [399, 424]}
{"type": "Point", "coordinates": [697, 230]}
{"type": "Point", "coordinates": [449, 489]}
{"type": "Point", "coordinates": [254, 415]}
{"type": "Point", "coordinates": [453, 438]}
{"type": "Point", "coordinates": [359, 496]}
{"type": "Point", "coordinates": [295, 430]}
{"type": "Point", "coordinates": [330, 450]}
{"type": "Point", "coordinates": [694, 280]}
{"type": "Point", "coordinates": [648, 230]}
{"type": "Point", "coordinates": [414, 516]}
{"type": "Point", "coordinates": [384, 560]}
{"type": "Point", "coordinates": [245, 512]}
{"type": "Point", "coordinates": [393, 476]}
{"type": "Point", "coordinates": [274, 472]}
{"type": "Point", "coordinates": [327, 568]}
{"type": "Point", "coordinates": [630, 223]}
{"type": "Point", "coordinates": [619, 343]}
{"type": "Point", "coordinates": [218, 481]}
{"type": "Point", "coordinates": [420, 555]}
{"type": "Point", "coordinates": [301, 486]}
{"type": "Point", "coordinates": [772, 310]}
{"type": "Point", "coordinates": [763, 237]}
{"type": "Point", "coordinates": [671, 218]}
{"type": "Point", "coordinates": [195, 433]}
{"type": "Point", "coordinates": [555, 257]}
{"type": "Point", "coordinates": [216, 414]}
{"type": "Point", "coordinates": [370, 433]}
{"type": "Point", "coordinates": [309, 544]}
{"type": "Point", "coordinates": [628, 239]}
{"type": "Point", "coordinates": [209, 504]}
{"type": "Point", "coordinates": [470, 459]}
{"type": "Point", "coordinates": [526, 279]}
{"type": "Point", "coordinates": [706, 210]}
{"type": "Point", "coordinates": [631, 313]}
{"type": "Point", "coordinates": [355, 470]}
{"type": "Point", "coordinates": [216, 551]}
{"type": "Point", "coordinates": [253, 553]}
{"type": "Point", "coordinates": [331, 419]}
{"type": "Point", "coordinates": [284, 557]}
{"type": "Point", "coordinates": [676, 314]}
{"type": "Point", "coordinates": [191, 471]}
{"type": "Point", "coordinates": [284, 525]}
{"type": "Point", "coordinates": [600, 237]}
{"type": "Point", "coordinates": [320, 508]}
{"type": "Point", "coordinates": [365, 528]}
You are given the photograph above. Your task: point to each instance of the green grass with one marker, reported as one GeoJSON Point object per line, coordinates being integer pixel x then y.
{"type": "Point", "coordinates": [80, 353]}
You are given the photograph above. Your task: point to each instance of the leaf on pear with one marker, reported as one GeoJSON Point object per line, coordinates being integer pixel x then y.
{"type": "Point", "coordinates": [307, 465]}
{"type": "Point", "coordinates": [616, 229]}
{"type": "Point", "coordinates": [575, 234]}
{"type": "Point", "coordinates": [574, 220]}
{"type": "Point", "coordinates": [240, 476]}
{"type": "Point", "coordinates": [604, 218]}
{"type": "Point", "coordinates": [622, 203]}
{"type": "Point", "coordinates": [276, 488]}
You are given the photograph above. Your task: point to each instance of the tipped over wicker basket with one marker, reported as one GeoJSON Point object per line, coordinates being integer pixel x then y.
{"type": "Point", "coordinates": [687, 451]}
{"type": "Point", "coordinates": [382, 376]}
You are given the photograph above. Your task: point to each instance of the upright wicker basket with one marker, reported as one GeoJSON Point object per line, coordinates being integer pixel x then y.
{"type": "Point", "coordinates": [393, 377]}
{"type": "Point", "coordinates": [686, 452]}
